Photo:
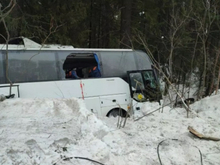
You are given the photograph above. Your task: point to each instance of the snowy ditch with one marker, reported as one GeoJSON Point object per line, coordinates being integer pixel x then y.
{"type": "Point", "coordinates": [63, 131]}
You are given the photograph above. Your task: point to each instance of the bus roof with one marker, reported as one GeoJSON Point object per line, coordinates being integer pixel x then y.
{"type": "Point", "coordinates": [23, 43]}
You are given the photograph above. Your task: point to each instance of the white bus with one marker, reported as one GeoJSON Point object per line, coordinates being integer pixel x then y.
{"type": "Point", "coordinates": [39, 71]}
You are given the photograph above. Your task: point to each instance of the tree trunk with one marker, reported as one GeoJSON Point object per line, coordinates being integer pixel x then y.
{"type": "Point", "coordinates": [126, 24]}
{"type": "Point", "coordinates": [217, 86]}
{"type": "Point", "coordinates": [215, 67]}
{"type": "Point", "coordinates": [93, 25]}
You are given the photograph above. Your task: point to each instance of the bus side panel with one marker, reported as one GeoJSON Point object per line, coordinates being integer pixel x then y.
{"type": "Point", "coordinates": [113, 101]}
{"type": "Point", "coordinates": [104, 87]}
{"type": "Point", "coordinates": [81, 88]}
{"type": "Point", "coordinates": [142, 60]}
{"type": "Point", "coordinates": [113, 92]}
{"type": "Point", "coordinates": [49, 89]}
{"type": "Point", "coordinates": [2, 75]}
{"type": "Point", "coordinates": [93, 104]}
{"type": "Point", "coordinates": [116, 100]}
{"type": "Point", "coordinates": [116, 64]}
{"type": "Point", "coordinates": [32, 66]}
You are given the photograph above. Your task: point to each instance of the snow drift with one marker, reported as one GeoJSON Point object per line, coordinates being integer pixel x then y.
{"type": "Point", "coordinates": [55, 131]}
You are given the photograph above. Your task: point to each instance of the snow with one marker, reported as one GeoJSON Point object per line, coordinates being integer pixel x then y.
{"type": "Point", "coordinates": [55, 131]}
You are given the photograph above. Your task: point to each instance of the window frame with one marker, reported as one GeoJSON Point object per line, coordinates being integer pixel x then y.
{"type": "Point", "coordinates": [144, 82]}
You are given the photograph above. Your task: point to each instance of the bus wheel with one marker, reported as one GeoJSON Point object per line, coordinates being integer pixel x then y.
{"type": "Point", "coordinates": [117, 112]}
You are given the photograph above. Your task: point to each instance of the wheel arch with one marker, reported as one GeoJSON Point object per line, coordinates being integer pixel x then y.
{"type": "Point", "coordinates": [124, 112]}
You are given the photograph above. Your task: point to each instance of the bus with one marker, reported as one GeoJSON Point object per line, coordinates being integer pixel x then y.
{"type": "Point", "coordinates": [127, 77]}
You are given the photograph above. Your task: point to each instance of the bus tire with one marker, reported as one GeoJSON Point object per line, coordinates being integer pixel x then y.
{"type": "Point", "coordinates": [116, 112]}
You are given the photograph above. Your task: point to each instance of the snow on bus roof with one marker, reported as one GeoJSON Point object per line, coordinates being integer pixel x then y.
{"type": "Point", "coordinates": [22, 43]}
{"type": "Point", "coordinates": [28, 44]}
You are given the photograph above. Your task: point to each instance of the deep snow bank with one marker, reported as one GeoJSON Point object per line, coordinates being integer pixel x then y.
{"type": "Point", "coordinates": [46, 131]}
{"type": "Point", "coordinates": [50, 131]}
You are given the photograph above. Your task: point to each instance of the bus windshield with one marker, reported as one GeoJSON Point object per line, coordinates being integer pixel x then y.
{"type": "Point", "coordinates": [149, 78]}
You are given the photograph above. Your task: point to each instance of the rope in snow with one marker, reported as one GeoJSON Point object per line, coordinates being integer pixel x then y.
{"type": "Point", "coordinates": [88, 160]}
{"type": "Point", "coordinates": [68, 158]}
{"type": "Point", "coordinates": [175, 140]}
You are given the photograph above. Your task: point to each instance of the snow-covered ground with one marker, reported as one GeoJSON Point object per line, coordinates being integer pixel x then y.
{"type": "Point", "coordinates": [54, 132]}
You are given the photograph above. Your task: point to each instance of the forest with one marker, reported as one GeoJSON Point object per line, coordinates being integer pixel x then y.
{"type": "Point", "coordinates": [181, 35]}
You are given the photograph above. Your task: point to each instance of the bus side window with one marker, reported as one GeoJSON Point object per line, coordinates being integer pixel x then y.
{"type": "Point", "coordinates": [29, 66]}
{"type": "Point", "coordinates": [2, 77]}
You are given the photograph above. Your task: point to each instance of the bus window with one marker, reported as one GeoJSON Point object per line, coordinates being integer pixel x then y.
{"type": "Point", "coordinates": [29, 66]}
{"type": "Point", "coordinates": [151, 86]}
{"type": "Point", "coordinates": [127, 62]}
{"type": "Point", "coordinates": [2, 80]}
{"type": "Point", "coordinates": [149, 78]}
{"type": "Point", "coordinates": [143, 86]}
{"type": "Point", "coordinates": [142, 60]}
{"type": "Point", "coordinates": [112, 63]}
{"type": "Point", "coordinates": [61, 58]}
{"type": "Point", "coordinates": [137, 86]}
{"type": "Point", "coordinates": [82, 65]}
{"type": "Point", "coordinates": [136, 81]}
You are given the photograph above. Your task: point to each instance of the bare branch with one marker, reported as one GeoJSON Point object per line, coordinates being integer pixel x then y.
{"type": "Point", "coordinates": [50, 33]}
{"type": "Point", "coordinates": [3, 15]}
{"type": "Point", "coordinates": [9, 5]}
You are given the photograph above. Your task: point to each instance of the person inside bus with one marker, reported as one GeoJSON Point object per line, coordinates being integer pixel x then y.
{"type": "Point", "coordinates": [72, 74]}
{"type": "Point", "coordinates": [94, 72]}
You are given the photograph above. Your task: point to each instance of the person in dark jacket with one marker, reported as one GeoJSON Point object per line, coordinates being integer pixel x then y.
{"type": "Point", "coordinates": [72, 74]}
{"type": "Point", "coordinates": [94, 72]}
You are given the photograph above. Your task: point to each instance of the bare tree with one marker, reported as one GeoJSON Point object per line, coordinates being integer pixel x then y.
{"type": "Point", "coordinates": [3, 14]}
{"type": "Point", "coordinates": [156, 65]}
{"type": "Point", "coordinates": [214, 72]}
{"type": "Point", "coordinates": [178, 20]}
{"type": "Point", "coordinates": [217, 86]}
{"type": "Point", "coordinates": [125, 23]}
{"type": "Point", "coordinates": [205, 23]}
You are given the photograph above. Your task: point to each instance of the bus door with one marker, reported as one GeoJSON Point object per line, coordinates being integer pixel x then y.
{"type": "Point", "coordinates": [144, 85]}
